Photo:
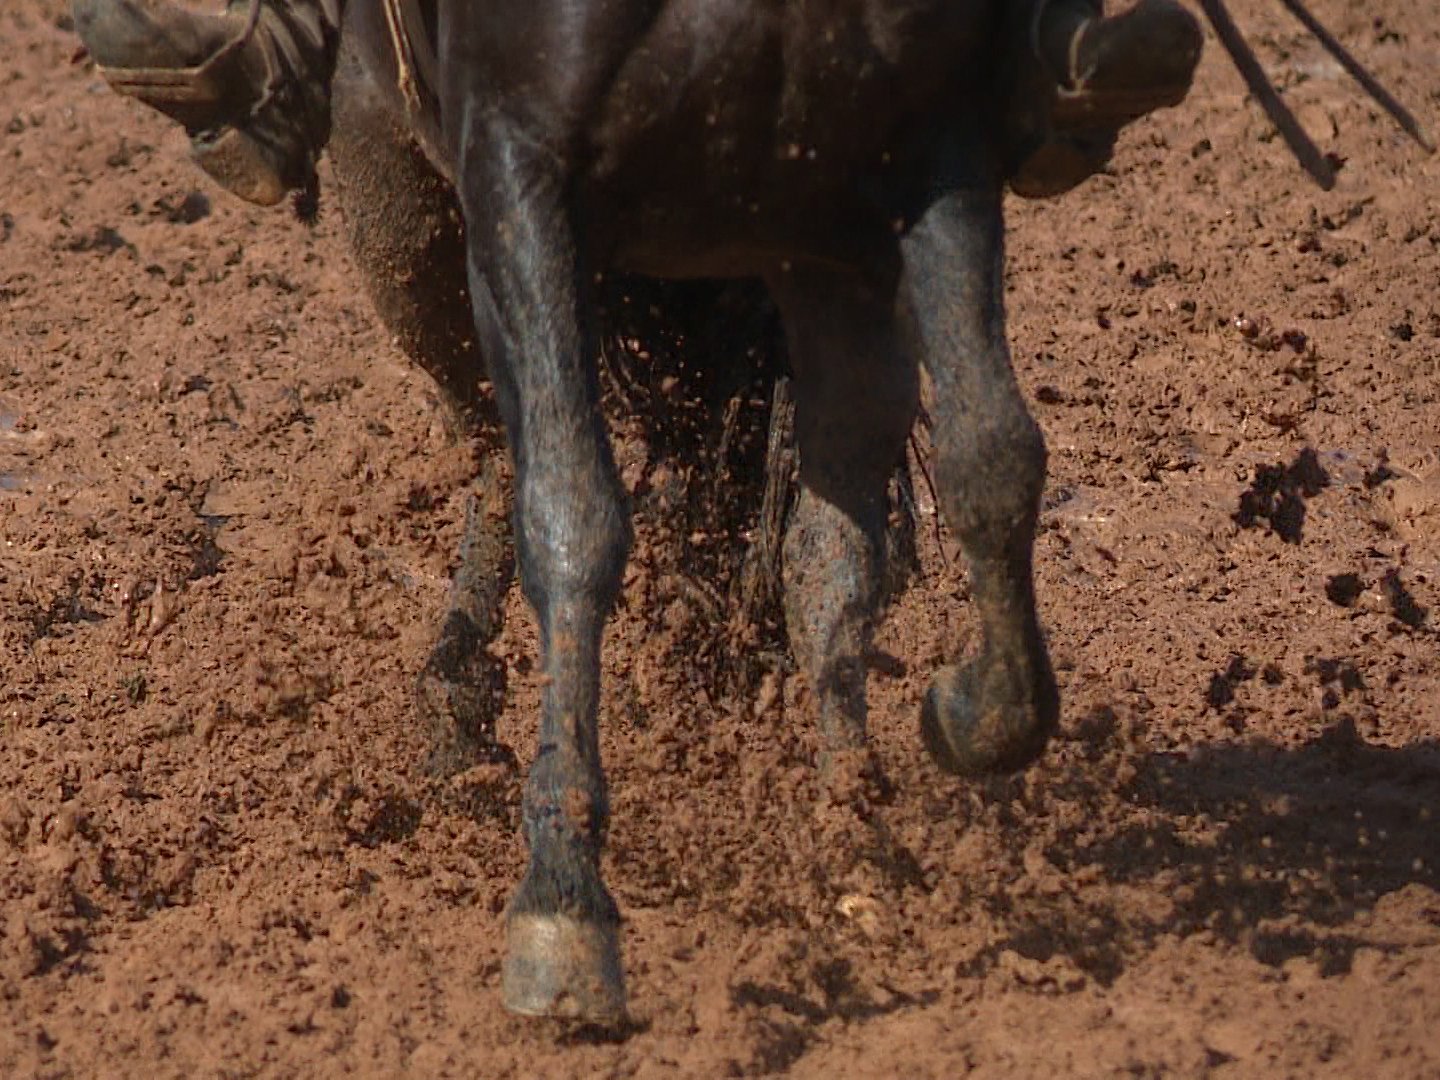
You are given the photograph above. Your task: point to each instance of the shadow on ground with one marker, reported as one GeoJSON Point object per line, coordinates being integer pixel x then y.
{"type": "Point", "coordinates": [1282, 851]}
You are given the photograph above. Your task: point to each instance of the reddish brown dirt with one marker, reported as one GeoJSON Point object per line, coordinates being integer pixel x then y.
{"type": "Point", "coordinates": [227, 511]}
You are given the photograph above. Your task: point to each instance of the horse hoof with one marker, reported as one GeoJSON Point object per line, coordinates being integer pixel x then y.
{"type": "Point", "coordinates": [559, 966]}
{"type": "Point", "coordinates": [978, 721]}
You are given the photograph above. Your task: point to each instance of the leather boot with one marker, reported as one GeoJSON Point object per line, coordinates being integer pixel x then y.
{"type": "Point", "coordinates": [1089, 76]}
{"type": "Point", "coordinates": [250, 84]}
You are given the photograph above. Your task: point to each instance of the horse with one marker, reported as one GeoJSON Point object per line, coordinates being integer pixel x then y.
{"type": "Point", "coordinates": [847, 155]}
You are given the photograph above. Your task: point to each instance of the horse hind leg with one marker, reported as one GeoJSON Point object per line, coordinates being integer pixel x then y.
{"type": "Point", "coordinates": [408, 240]}
{"type": "Point", "coordinates": [856, 392]}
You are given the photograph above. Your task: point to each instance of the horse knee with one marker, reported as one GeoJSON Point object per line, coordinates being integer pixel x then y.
{"type": "Point", "coordinates": [991, 474]}
{"type": "Point", "coordinates": [573, 538]}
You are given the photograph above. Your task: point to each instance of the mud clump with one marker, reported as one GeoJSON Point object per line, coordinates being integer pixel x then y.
{"type": "Point", "coordinates": [1277, 496]}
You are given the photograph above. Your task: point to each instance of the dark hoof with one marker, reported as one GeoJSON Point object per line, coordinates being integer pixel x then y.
{"type": "Point", "coordinates": [978, 720]}
{"type": "Point", "coordinates": [562, 967]}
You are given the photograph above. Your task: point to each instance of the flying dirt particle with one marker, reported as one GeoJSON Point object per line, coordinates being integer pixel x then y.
{"type": "Point", "coordinates": [1402, 605]}
{"type": "Point", "coordinates": [164, 606]}
{"type": "Point", "coordinates": [1344, 589]}
{"type": "Point", "coordinates": [768, 694]}
{"type": "Point", "coordinates": [1277, 495]}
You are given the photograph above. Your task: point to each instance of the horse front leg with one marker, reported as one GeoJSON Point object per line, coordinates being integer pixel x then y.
{"type": "Point", "coordinates": [572, 537]}
{"type": "Point", "coordinates": [996, 713]}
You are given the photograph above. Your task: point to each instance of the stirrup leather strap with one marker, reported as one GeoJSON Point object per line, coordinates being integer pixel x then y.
{"type": "Point", "coordinates": [414, 67]}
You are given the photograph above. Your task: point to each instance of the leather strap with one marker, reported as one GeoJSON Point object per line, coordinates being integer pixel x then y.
{"type": "Point", "coordinates": [415, 67]}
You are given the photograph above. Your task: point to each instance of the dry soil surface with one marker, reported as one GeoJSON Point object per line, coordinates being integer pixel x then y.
{"type": "Point", "coordinates": [228, 508]}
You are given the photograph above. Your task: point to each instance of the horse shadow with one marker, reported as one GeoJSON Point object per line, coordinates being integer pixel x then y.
{"type": "Point", "coordinates": [1285, 851]}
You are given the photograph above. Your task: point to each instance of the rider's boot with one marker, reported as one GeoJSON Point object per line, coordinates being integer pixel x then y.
{"type": "Point", "coordinates": [1086, 77]}
{"type": "Point", "coordinates": [250, 84]}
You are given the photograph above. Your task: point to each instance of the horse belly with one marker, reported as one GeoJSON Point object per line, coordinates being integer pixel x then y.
{"type": "Point", "coordinates": [717, 91]}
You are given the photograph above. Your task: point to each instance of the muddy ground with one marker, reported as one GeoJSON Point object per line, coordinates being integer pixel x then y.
{"type": "Point", "coordinates": [228, 508]}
